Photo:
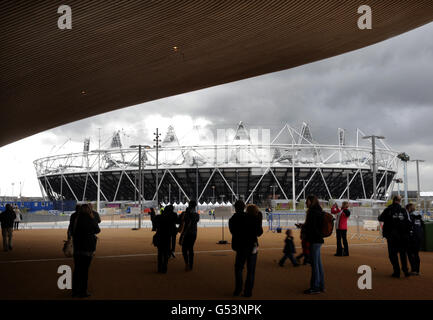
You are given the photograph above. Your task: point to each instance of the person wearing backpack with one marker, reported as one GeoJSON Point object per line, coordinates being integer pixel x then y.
{"type": "Point", "coordinates": [188, 233]}
{"type": "Point", "coordinates": [342, 214]}
{"type": "Point", "coordinates": [396, 229]}
{"type": "Point", "coordinates": [415, 238]}
{"type": "Point", "coordinates": [314, 235]}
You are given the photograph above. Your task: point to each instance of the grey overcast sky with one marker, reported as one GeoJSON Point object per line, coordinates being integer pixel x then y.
{"type": "Point", "coordinates": [383, 89]}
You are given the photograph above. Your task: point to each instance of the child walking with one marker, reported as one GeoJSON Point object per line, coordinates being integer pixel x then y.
{"type": "Point", "coordinates": [305, 246]}
{"type": "Point", "coordinates": [289, 250]}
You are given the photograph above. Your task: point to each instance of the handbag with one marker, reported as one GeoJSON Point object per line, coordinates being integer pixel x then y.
{"type": "Point", "coordinates": [68, 247]}
{"type": "Point", "coordinates": [155, 239]}
{"type": "Point", "coordinates": [182, 236]}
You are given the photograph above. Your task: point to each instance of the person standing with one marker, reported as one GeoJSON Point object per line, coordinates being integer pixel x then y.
{"type": "Point", "coordinates": [313, 233]}
{"type": "Point", "coordinates": [245, 228]}
{"type": "Point", "coordinates": [174, 220]}
{"type": "Point", "coordinates": [341, 222]}
{"type": "Point", "coordinates": [7, 219]}
{"type": "Point", "coordinates": [415, 238]}
{"type": "Point", "coordinates": [18, 218]}
{"type": "Point", "coordinates": [188, 229]}
{"type": "Point", "coordinates": [83, 228]}
{"type": "Point", "coordinates": [164, 227]}
{"type": "Point", "coordinates": [396, 228]}
{"type": "Point", "coordinates": [152, 215]}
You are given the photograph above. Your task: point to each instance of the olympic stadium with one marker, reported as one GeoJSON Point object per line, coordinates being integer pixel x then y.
{"type": "Point", "coordinates": [240, 166]}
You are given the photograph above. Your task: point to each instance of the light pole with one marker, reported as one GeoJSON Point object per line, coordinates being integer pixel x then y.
{"type": "Point", "coordinates": [98, 196]}
{"type": "Point", "coordinates": [347, 181]}
{"type": "Point", "coordinates": [169, 193]}
{"type": "Point", "coordinates": [417, 178]}
{"type": "Point", "coordinates": [273, 192]}
{"type": "Point", "coordinates": [196, 181]}
{"type": "Point", "coordinates": [398, 181]}
{"type": "Point", "coordinates": [213, 194]}
{"type": "Point", "coordinates": [157, 141]}
{"type": "Point", "coordinates": [140, 184]}
{"type": "Point", "coordinates": [373, 152]}
{"type": "Point", "coordinates": [61, 190]}
{"type": "Point", "coordinates": [222, 198]}
{"type": "Point", "coordinates": [303, 186]}
{"type": "Point", "coordinates": [98, 193]}
{"type": "Point", "coordinates": [404, 157]}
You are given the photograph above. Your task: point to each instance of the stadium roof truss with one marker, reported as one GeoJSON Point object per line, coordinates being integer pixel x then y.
{"type": "Point", "coordinates": [300, 154]}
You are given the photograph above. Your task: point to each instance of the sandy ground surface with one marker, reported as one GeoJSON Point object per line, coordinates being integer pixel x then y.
{"type": "Point", "coordinates": [125, 268]}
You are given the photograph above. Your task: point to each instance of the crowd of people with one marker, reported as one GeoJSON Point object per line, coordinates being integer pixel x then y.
{"type": "Point", "coordinates": [402, 228]}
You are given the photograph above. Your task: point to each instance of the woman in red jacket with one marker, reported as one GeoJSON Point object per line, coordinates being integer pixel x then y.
{"type": "Point", "coordinates": [342, 214]}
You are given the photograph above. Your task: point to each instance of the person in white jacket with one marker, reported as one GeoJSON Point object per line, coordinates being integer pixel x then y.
{"type": "Point", "coordinates": [18, 218]}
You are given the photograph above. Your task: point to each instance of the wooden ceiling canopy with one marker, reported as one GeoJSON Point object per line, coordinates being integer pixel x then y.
{"type": "Point", "coordinates": [122, 53]}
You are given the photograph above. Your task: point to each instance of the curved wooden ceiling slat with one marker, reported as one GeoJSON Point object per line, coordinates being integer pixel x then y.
{"type": "Point", "coordinates": [121, 52]}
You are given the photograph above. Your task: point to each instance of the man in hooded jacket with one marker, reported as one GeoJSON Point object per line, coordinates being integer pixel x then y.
{"type": "Point", "coordinates": [396, 228]}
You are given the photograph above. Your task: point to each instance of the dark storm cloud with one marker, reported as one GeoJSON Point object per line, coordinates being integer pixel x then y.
{"type": "Point", "coordinates": [382, 89]}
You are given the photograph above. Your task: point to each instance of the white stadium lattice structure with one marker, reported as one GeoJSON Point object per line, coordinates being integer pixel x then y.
{"type": "Point", "coordinates": [239, 167]}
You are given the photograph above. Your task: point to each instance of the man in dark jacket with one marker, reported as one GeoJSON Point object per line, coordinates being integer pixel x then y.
{"type": "Point", "coordinates": [245, 230]}
{"type": "Point", "coordinates": [189, 220]}
{"type": "Point", "coordinates": [396, 228]}
{"type": "Point", "coordinates": [7, 219]}
{"type": "Point", "coordinates": [83, 228]}
{"type": "Point", "coordinates": [415, 238]}
{"type": "Point", "coordinates": [164, 231]}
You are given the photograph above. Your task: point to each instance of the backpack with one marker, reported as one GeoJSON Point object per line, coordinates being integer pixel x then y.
{"type": "Point", "coordinates": [327, 224]}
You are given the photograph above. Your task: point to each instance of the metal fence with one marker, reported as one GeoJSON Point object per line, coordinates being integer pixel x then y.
{"type": "Point", "coordinates": [286, 220]}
